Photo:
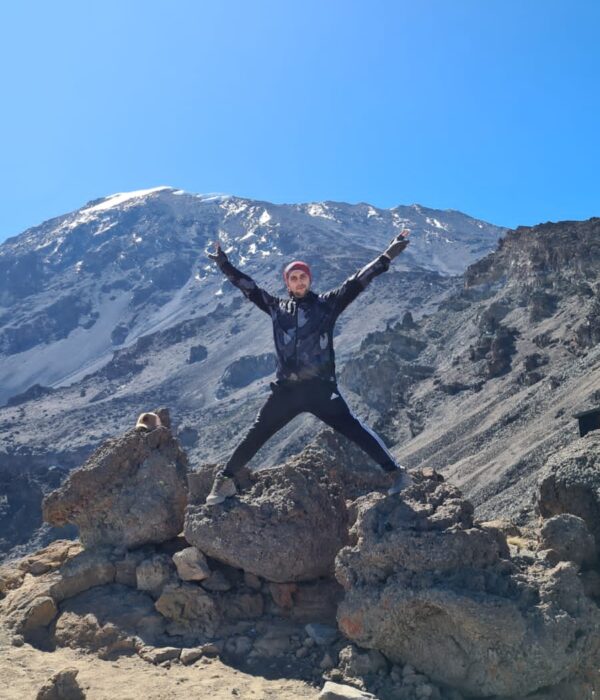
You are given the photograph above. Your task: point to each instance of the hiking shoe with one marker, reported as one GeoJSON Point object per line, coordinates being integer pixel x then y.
{"type": "Point", "coordinates": [403, 481]}
{"type": "Point", "coordinates": [223, 487]}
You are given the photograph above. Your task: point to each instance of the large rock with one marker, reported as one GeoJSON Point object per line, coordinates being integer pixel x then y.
{"type": "Point", "coordinates": [62, 686]}
{"type": "Point", "coordinates": [189, 609]}
{"type": "Point", "coordinates": [287, 527]}
{"type": "Point", "coordinates": [426, 586]}
{"type": "Point", "coordinates": [131, 491]}
{"type": "Point", "coordinates": [568, 539]}
{"type": "Point", "coordinates": [109, 620]}
{"type": "Point", "coordinates": [570, 483]}
{"type": "Point", "coordinates": [34, 604]}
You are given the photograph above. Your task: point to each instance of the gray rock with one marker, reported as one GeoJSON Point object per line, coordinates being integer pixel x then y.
{"type": "Point", "coordinates": [158, 655]}
{"type": "Point", "coordinates": [217, 581]}
{"type": "Point", "coordinates": [153, 574]}
{"type": "Point", "coordinates": [337, 691]}
{"type": "Point", "coordinates": [188, 608]}
{"type": "Point", "coordinates": [326, 662]}
{"type": "Point", "coordinates": [190, 656]}
{"type": "Point", "coordinates": [570, 540]}
{"type": "Point", "coordinates": [356, 662]}
{"type": "Point", "coordinates": [62, 686]}
{"type": "Point", "coordinates": [238, 646]}
{"type": "Point", "coordinates": [252, 581]}
{"type": "Point", "coordinates": [191, 565]}
{"type": "Point", "coordinates": [427, 587]}
{"type": "Point", "coordinates": [288, 527]}
{"type": "Point", "coordinates": [34, 604]}
{"type": "Point", "coordinates": [131, 491]}
{"type": "Point", "coordinates": [570, 483]}
{"type": "Point", "coordinates": [109, 621]}
{"type": "Point", "coordinates": [322, 634]}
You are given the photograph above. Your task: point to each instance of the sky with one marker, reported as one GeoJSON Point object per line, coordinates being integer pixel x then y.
{"type": "Point", "coordinates": [490, 107]}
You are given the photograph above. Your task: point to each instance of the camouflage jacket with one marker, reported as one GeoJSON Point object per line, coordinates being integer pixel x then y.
{"type": "Point", "coordinates": [303, 327]}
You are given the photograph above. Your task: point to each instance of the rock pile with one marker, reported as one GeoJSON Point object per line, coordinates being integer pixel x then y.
{"type": "Point", "coordinates": [287, 527]}
{"type": "Point", "coordinates": [425, 585]}
{"type": "Point", "coordinates": [427, 602]}
{"type": "Point", "coordinates": [131, 491]}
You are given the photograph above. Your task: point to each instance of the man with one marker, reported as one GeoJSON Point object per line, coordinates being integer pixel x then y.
{"type": "Point", "coordinates": [306, 381]}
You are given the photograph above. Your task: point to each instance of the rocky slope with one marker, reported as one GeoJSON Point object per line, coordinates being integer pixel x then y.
{"type": "Point", "coordinates": [427, 601]}
{"type": "Point", "coordinates": [115, 307]}
{"type": "Point", "coordinates": [485, 388]}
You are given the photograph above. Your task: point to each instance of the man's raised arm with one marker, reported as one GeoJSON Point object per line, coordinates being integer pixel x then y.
{"type": "Point", "coordinates": [243, 282]}
{"type": "Point", "coordinates": [354, 285]}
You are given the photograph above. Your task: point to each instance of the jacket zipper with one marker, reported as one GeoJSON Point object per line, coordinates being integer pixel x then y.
{"type": "Point", "coordinates": [296, 339]}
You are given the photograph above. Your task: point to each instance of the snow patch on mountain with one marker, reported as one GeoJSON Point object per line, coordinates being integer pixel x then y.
{"type": "Point", "coordinates": [319, 210]}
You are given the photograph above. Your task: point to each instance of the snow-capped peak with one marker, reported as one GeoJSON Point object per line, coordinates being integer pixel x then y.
{"type": "Point", "coordinates": [114, 200]}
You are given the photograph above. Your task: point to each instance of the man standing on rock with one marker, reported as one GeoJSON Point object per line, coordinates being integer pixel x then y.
{"type": "Point", "coordinates": [306, 381]}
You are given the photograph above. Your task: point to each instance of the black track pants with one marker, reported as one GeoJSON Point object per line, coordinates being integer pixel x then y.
{"type": "Point", "coordinates": [323, 400]}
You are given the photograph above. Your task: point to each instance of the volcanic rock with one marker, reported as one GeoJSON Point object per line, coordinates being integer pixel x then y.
{"type": "Point", "coordinates": [109, 620]}
{"type": "Point", "coordinates": [570, 483]}
{"type": "Point", "coordinates": [131, 491]}
{"type": "Point", "coordinates": [424, 585]}
{"type": "Point", "coordinates": [62, 686]}
{"type": "Point", "coordinates": [287, 527]}
{"type": "Point", "coordinates": [568, 539]}
{"type": "Point", "coordinates": [191, 565]}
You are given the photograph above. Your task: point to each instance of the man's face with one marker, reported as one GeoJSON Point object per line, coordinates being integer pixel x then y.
{"type": "Point", "coordinates": [298, 282]}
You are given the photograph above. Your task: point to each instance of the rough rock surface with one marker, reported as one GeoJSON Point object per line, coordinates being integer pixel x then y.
{"type": "Point", "coordinates": [288, 527]}
{"type": "Point", "coordinates": [109, 620]}
{"type": "Point", "coordinates": [34, 604]}
{"type": "Point", "coordinates": [191, 565]}
{"type": "Point", "coordinates": [424, 585]}
{"type": "Point", "coordinates": [570, 483]}
{"type": "Point", "coordinates": [131, 491]}
{"type": "Point", "coordinates": [568, 539]}
{"type": "Point", "coordinates": [62, 686]}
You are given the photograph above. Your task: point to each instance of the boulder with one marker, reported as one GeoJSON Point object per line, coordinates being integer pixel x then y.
{"type": "Point", "coordinates": [189, 609]}
{"type": "Point", "coordinates": [34, 604]}
{"type": "Point", "coordinates": [570, 483]}
{"type": "Point", "coordinates": [62, 686]}
{"type": "Point", "coordinates": [131, 491]}
{"type": "Point", "coordinates": [287, 527]}
{"type": "Point", "coordinates": [154, 573]}
{"type": "Point", "coordinates": [338, 691]}
{"type": "Point", "coordinates": [109, 620]}
{"type": "Point", "coordinates": [355, 662]}
{"type": "Point", "coordinates": [568, 539]}
{"type": "Point", "coordinates": [426, 586]}
{"type": "Point", "coordinates": [191, 565]}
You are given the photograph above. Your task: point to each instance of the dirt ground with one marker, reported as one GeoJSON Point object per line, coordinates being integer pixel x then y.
{"type": "Point", "coordinates": [23, 670]}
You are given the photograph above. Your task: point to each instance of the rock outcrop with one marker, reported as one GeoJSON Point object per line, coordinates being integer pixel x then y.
{"type": "Point", "coordinates": [425, 585]}
{"type": "Point", "coordinates": [130, 492]}
{"type": "Point", "coordinates": [570, 483]}
{"type": "Point", "coordinates": [287, 527]}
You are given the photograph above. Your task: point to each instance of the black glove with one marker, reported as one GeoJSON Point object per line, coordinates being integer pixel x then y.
{"type": "Point", "coordinates": [397, 245]}
{"type": "Point", "coordinates": [219, 255]}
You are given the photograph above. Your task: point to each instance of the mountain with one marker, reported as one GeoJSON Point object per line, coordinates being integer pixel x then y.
{"type": "Point", "coordinates": [125, 266]}
{"type": "Point", "coordinates": [115, 308]}
{"type": "Point", "coordinates": [486, 387]}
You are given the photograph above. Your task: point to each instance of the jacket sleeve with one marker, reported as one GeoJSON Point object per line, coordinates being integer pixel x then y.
{"type": "Point", "coordinates": [354, 285]}
{"type": "Point", "coordinates": [248, 287]}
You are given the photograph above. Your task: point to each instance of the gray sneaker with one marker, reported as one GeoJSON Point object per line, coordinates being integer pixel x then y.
{"type": "Point", "coordinates": [223, 487]}
{"type": "Point", "coordinates": [403, 481]}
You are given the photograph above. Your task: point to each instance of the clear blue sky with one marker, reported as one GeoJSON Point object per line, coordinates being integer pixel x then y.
{"type": "Point", "coordinates": [487, 106]}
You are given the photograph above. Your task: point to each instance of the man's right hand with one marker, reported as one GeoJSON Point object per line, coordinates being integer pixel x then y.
{"type": "Point", "coordinates": [397, 244]}
{"type": "Point", "coordinates": [218, 255]}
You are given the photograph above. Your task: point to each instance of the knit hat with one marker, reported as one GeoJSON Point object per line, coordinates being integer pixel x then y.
{"type": "Point", "coordinates": [296, 265]}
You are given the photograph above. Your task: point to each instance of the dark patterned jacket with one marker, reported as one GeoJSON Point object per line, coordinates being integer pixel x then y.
{"type": "Point", "coordinates": [303, 328]}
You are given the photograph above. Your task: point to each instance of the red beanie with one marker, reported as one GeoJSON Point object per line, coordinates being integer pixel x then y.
{"type": "Point", "coordinates": [296, 265]}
